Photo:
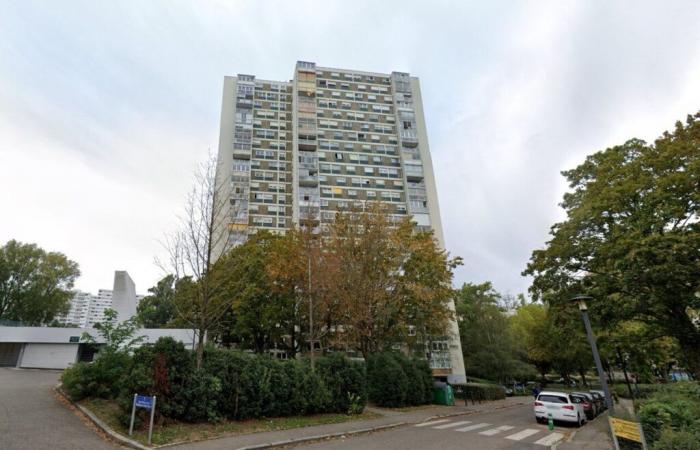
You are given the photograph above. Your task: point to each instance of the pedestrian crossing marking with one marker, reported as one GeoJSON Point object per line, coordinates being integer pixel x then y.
{"type": "Point", "coordinates": [522, 434]}
{"type": "Point", "coordinates": [550, 439]}
{"type": "Point", "coordinates": [473, 427]}
{"type": "Point", "coordinates": [496, 430]}
{"type": "Point", "coordinates": [433, 422]}
{"type": "Point", "coordinates": [451, 425]}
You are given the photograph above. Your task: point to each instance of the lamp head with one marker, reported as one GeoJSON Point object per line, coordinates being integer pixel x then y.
{"type": "Point", "coordinates": [581, 301]}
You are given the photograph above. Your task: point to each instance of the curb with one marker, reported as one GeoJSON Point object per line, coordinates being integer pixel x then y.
{"type": "Point", "coordinates": [321, 437]}
{"type": "Point", "coordinates": [103, 426]}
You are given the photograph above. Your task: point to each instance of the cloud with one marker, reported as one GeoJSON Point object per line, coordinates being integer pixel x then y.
{"type": "Point", "coordinates": [105, 109]}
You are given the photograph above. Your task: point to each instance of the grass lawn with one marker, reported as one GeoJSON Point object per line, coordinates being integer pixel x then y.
{"type": "Point", "coordinates": [175, 432]}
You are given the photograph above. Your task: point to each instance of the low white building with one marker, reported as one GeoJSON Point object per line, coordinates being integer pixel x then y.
{"type": "Point", "coordinates": [59, 348]}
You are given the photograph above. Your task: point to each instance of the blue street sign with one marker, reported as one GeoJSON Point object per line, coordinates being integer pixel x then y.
{"type": "Point", "coordinates": [144, 401]}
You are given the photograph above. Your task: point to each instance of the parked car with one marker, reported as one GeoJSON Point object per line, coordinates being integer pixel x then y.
{"type": "Point", "coordinates": [590, 398]}
{"type": "Point", "coordinates": [509, 391]}
{"type": "Point", "coordinates": [600, 398]}
{"type": "Point", "coordinates": [560, 406]}
{"type": "Point", "coordinates": [589, 407]}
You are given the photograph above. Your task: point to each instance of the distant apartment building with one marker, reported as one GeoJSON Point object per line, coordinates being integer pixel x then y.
{"type": "Point", "coordinates": [327, 140]}
{"type": "Point", "coordinates": [88, 309]}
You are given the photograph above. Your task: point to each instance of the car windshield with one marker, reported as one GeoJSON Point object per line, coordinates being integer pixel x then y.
{"type": "Point", "coordinates": [552, 399]}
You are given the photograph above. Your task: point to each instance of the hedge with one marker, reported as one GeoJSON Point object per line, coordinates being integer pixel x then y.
{"type": "Point", "coordinates": [395, 380]}
{"type": "Point", "coordinates": [230, 384]}
{"type": "Point", "coordinates": [480, 391]}
{"type": "Point", "coordinates": [640, 390]}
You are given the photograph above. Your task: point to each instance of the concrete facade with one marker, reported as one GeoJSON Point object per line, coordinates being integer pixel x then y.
{"type": "Point", "coordinates": [328, 140]}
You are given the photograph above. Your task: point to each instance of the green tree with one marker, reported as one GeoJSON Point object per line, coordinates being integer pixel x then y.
{"type": "Point", "coordinates": [157, 310]}
{"type": "Point", "coordinates": [631, 238]}
{"type": "Point", "coordinates": [488, 342]}
{"type": "Point", "coordinates": [534, 333]}
{"type": "Point", "coordinates": [259, 315]}
{"type": "Point", "coordinates": [392, 280]}
{"type": "Point", "coordinates": [35, 285]}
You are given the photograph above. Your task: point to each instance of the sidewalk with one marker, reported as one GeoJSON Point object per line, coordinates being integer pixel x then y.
{"type": "Point", "coordinates": [594, 436]}
{"type": "Point", "coordinates": [391, 418]}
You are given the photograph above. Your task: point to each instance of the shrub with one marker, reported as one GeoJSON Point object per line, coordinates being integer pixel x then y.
{"type": "Point", "coordinates": [393, 380]}
{"type": "Point", "coordinates": [77, 381]}
{"type": "Point", "coordinates": [346, 382]}
{"type": "Point", "coordinates": [480, 391]}
{"type": "Point", "coordinates": [677, 440]}
{"type": "Point", "coordinates": [387, 384]}
{"type": "Point", "coordinates": [100, 378]}
{"type": "Point", "coordinates": [672, 408]}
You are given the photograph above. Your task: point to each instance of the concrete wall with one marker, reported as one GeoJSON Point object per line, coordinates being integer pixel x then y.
{"type": "Point", "coordinates": [124, 296]}
{"type": "Point", "coordinates": [48, 356]}
{"type": "Point", "coordinates": [458, 371]}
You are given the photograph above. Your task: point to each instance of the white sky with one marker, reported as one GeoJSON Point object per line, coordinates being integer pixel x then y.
{"type": "Point", "coordinates": [106, 108]}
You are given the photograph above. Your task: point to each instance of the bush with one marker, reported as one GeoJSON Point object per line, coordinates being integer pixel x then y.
{"type": "Point", "coordinates": [393, 380]}
{"type": "Point", "coordinates": [677, 440]}
{"type": "Point", "coordinates": [672, 408]}
{"type": "Point", "coordinates": [346, 381]}
{"type": "Point", "coordinates": [100, 378]}
{"type": "Point", "coordinates": [480, 391]}
{"type": "Point", "coordinates": [230, 383]}
{"type": "Point", "coordinates": [387, 384]}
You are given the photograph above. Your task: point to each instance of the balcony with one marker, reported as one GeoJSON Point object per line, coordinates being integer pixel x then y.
{"type": "Point", "coordinates": [307, 144]}
{"type": "Point", "coordinates": [413, 172]}
{"type": "Point", "coordinates": [308, 180]}
{"type": "Point", "coordinates": [241, 153]}
{"type": "Point", "coordinates": [409, 138]}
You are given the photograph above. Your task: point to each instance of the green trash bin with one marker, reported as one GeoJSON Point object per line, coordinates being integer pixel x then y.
{"type": "Point", "coordinates": [443, 395]}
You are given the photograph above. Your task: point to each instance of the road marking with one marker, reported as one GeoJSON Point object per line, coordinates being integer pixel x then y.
{"type": "Point", "coordinates": [550, 439]}
{"type": "Point", "coordinates": [450, 425]}
{"type": "Point", "coordinates": [434, 422]}
{"type": "Point", "coordinates": [473, 427]}
{"type": "Point", "coordinates": [497, 430]}
{"type": "Point", "coordinates": [522, 434]}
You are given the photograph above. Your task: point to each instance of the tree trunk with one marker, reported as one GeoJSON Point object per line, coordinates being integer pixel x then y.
{"type": "Point", "coordinates": [691, 354]}
{"type": "Point", "coordinates": [200, 348]}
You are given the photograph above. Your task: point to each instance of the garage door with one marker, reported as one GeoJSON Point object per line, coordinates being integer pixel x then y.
{"type": "Point", "coordinates": [49, 356]}
{"type": "Point", "coordinates": [9, 354]}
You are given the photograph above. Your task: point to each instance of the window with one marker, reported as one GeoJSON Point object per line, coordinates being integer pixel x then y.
{"type": "Point", "coordinates": [407, 125]}
{"type": "Point", "coordinates": [339, 156]}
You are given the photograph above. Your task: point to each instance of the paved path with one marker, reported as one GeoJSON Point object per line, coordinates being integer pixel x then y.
{"type": "Point", "coordinates": [390, 417]}
{"type": "Point", "coordinates": [512, 428]}
{"type": "Point", "coordinates": [594, 436]}
{"type": "Point", "coordinates": [32, 418]}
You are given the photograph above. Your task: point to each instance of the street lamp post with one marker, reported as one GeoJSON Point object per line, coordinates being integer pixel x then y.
{"type": "Point", "coordinates": [581, 301]}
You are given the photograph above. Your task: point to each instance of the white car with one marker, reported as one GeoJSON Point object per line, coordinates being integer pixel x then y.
{"type": "Point", "coordinates": [560, 406]}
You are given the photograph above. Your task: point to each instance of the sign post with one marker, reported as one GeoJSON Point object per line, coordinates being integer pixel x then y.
{"type": "Point", "coordinates": [145, 402]}
{"type": "Point", "coordinates": [626, 429]}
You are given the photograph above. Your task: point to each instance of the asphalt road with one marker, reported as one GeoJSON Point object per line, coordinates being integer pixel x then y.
{"type": "Point", "coordinates": [513, 428]}
{"type": "Point", "coordinates": [32, 418]}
